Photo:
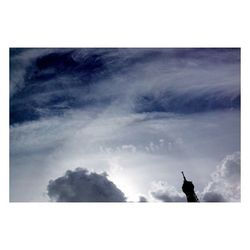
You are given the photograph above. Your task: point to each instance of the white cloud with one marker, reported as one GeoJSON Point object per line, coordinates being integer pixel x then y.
{"type": "Point", "coordinates": [225, 183]}
{"type": "Point", "coordinates": [162, 191]}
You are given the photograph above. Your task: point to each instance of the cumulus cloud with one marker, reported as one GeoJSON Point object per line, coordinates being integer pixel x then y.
{"type": "Point", "coordinates": [83, 186]}
{"type": "Point", "coordinates": [225, 183]}
{"type": "Point", "coordinates": [164, 192]}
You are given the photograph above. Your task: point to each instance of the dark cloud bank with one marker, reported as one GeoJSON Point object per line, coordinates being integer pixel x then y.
{"type": "Point", "coordinates": [49, 82]}
{"type": "Point", "coordinates": [83, 186]}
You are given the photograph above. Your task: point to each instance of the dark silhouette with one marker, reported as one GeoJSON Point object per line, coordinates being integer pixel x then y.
{"type": "Point", "coordinates": [188, 189]}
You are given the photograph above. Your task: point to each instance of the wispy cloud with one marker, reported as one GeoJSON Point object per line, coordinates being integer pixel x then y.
{"type": "Point", "coordinates": [49, 82]}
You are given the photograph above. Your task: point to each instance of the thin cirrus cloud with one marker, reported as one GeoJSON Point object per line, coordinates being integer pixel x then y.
{"type": "Point", "coordinates": [141, 115]}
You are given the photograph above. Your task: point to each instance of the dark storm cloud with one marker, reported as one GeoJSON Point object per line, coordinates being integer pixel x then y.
{"type": "Point", "coordinates": [186, 103]}
{"type": "Point", "coordinates": [213, 197]}
{"type": "Point", "coordinates": [49, 82]}
{"type": "Point", "coordinates": [83, 186]}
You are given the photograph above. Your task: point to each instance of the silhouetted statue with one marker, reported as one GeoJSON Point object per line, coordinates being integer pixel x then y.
{"type": "Point", "coordinates": [188, 189]}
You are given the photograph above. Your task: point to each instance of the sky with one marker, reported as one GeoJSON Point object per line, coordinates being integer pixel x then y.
{"type": "Point", "coordinates": [120, 124]}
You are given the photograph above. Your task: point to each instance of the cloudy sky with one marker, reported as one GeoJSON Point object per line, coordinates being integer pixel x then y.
{"type": "Point", "coordinates": [121, 124]}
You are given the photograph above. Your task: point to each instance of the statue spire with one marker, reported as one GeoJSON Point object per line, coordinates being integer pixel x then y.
{"type": "Point", "coordinates": [188, 189]}
{"type": "Point", "coordinates": [183, 175]}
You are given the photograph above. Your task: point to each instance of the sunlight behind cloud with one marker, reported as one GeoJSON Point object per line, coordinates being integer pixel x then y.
{"type": "Point", "coordinates": [122, 179]}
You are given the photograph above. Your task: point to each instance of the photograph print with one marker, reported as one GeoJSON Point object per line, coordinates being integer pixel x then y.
{"type": "Point", "coordinates": [125, 125]}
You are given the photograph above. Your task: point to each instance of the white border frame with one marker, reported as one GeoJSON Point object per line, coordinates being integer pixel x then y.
{"type": "Point", "coordinates": [123, 24]}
